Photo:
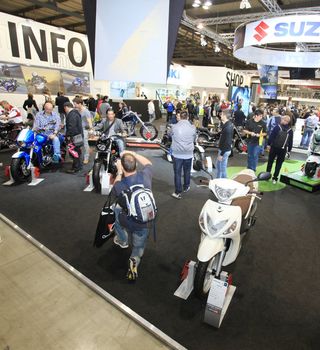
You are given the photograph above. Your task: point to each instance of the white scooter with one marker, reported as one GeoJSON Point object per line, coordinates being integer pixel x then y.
{"type": "Point", "coordinates": [313, 160]}
{"type": "Point", "coordinates": [223, 223]}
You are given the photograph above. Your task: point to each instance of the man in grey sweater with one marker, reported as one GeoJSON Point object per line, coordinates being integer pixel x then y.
{"type": "Point", "coordinates": [183, 137]}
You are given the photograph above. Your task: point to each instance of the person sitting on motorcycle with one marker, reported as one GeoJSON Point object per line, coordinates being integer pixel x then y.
{"type": "Point", "coordinates": [113, 126]}
{"type": "Point", "coordinates": [11, 115]}
{"type": "Point", "coordinates": [49, 121]}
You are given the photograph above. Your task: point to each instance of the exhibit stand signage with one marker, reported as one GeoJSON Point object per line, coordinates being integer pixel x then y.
{"type": "Point", "coordinates": [251, 39]}
{"type": "Point", "coordinates": [42, 59]}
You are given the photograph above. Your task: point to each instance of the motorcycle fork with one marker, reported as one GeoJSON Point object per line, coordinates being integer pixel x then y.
{"type": "Point", "coordinates": [219, 266]}
{"type": "Point", "coordinates": [31, 155]}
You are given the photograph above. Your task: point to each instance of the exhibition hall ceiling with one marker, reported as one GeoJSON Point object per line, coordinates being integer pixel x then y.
{"type": "Point", "coordinates": [212, 27]}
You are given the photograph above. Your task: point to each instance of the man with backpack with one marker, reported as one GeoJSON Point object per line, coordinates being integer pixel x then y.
{"type": "Point", "coordinates": [279, 143]}
{"type": "Point", "coordinates": [136, 206]}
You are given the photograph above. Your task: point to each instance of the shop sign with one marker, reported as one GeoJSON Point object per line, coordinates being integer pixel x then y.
{"type": "Point", "coordinates": [29, 42]}
{"type": "Point", "coordinates": [234, 79]}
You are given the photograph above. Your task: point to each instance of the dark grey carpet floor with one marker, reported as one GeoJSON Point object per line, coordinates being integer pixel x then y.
{"type": "Point", "coordinates": [276, 304]}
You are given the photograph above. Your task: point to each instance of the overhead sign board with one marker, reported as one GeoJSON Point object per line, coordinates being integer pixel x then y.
{"type": "Point", "coordinates": [252, 41]}
{"type": "Point", "coordinates": [27, 42]}
{"type": "Point", "coordinates": [283, 29]}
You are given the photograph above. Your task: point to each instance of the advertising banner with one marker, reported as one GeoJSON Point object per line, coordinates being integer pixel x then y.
{"type": "Point", "coordinates": [269, 80]}
{"type": "Point", "coordinates": [25, 42]}
{"type": "Point", "coordinates": [293, 29]}
{"type": "Point", "coordinates": [131, 40]}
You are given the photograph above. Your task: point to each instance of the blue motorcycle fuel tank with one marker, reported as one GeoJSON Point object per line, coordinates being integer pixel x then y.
{"type": "Point", "coordinates": [41, 139]}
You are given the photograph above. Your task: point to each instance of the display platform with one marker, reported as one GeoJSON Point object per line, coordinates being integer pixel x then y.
{"type": "Point", "coordinates": [273, 273]}
{"type": "Point", "coordinates": [297, 179]}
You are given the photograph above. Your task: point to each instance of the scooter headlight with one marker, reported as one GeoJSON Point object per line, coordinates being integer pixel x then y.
{"type": "Point", "coordinates": [212, 228]}
{"type": "Point", "coordinates": [223, 194]}
{"type": "Point", "coordinates": [230, 229]}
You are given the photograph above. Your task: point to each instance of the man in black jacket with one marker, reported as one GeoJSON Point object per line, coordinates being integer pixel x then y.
{"type": "Point", "coordinates": [279, 143]}
{"type": "Point", "coordinates": [73, 128]}
{"type": "Point", "coordinates": [225, 144]}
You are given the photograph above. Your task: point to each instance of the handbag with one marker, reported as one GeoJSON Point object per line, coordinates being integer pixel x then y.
{"type": "Point", "coordinates": [105, 227]}
{"type": "Point", "coordinates": [78, 140]}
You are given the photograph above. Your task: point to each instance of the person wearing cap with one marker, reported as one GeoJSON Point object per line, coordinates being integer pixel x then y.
{"type": "Point", "coordinates": [256, 130]}
{"type": "Point", "coordinates": [73, 128]}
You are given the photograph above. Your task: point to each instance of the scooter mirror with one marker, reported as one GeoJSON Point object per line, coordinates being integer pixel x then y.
{"type": "Point", "coordinates": [265, 176]}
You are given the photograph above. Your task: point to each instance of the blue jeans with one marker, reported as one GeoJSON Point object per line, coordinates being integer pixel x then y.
{"type": "Point", "coordinates": [56, 145]}
{"type": "Point", "coordinates": [178, 164]}
{"type": "Point", "coordinates": [139, 237]}
{"type": "Point", "coordinates": [253, 156]}
{"type": "Point", "coordinates": [221, 165]}
{"type": "Point", "coordinates": [305, 140]}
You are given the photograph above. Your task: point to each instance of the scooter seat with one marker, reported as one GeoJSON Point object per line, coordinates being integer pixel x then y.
{"type": "Point", "coordinates": [243, 179]}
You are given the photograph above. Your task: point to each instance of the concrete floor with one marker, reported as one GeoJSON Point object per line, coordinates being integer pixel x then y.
{"type": "Point", "coordinates": [42, 306]}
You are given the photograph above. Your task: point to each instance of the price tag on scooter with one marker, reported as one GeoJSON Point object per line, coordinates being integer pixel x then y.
{"type": "Point", "coordinates": [217, 293]}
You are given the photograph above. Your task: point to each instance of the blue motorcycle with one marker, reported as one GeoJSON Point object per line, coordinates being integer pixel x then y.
{"type": "Point", "coordinates": [35, 149]}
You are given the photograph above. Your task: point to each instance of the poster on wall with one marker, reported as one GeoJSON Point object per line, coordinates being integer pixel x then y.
{"type": "Point", "coordinates": [241, 96]}
{"type": "Point", "coordinates": [123, 89]}
{"type": "Point", "coordinates": [11, 79]}
{"type": "Point", "coordinates": [42, 81]}
{"type": "Point", "coordinates": [269, 80]}
{"type": "Point", "coordinates": [76, 82]}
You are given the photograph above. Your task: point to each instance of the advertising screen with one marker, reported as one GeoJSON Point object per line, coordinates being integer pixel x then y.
{"type": "Point", "coordinates": [241, 95]}
{"type": "Point", "coordinates": [269, 80]}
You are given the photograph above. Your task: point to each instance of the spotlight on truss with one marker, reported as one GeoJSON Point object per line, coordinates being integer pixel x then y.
{"type": "Point", "coordinates": [245, 4]}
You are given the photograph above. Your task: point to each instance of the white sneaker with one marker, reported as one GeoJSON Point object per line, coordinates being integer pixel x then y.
{"type": "Point", "coordinates": [176, 195]}
{"type": "Point", "coordinates": [121, 244]}
{"type": "Point", "coordinates": [274, 182]}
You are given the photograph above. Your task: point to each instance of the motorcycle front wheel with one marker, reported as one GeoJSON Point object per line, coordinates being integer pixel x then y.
{"type": "Point", "coordinates": [198, 156]}
{"type": "Point", "coordinates": [239, 145]}
{"type": "Point", "coordinates": [19, 170]}
{"type": "Point", "coordinates": [204, 275]}
{"type": "Point", "coordinates": [97, 166]}
{"type": "Point", "coordinates": [148, 132]}
{"type": "Point", "coordinates": [310, 169]}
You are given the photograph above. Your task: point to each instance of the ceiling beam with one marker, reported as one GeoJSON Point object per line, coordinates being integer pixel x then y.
{"type": "Point", "coordinates": [50, 5]}
{"type": "Point", "coordinates": [74, 25]}
{"type": "Point", "coordinates": [31, 8]}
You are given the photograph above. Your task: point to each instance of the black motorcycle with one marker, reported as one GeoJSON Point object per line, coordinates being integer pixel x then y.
{"type": "Point", "coordinates": [8, 135]}
{"type": "Point", "coordinates": [106, 159]}
{"type": "Point", "coordinates": [165, 145]}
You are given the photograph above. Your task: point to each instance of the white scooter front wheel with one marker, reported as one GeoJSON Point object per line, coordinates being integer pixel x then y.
{"type": "Point", "coordinates": [205, 273]}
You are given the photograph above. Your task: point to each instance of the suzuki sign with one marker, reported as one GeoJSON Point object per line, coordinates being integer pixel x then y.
{"type": "Point", "coordinates": [283, 29]}
{"type": "Point", "coordinates": [252, 41]}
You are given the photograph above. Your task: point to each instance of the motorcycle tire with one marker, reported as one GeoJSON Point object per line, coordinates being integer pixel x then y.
{"type": "Point", "coordinates": [310, 169]}
{"type": "Point", "coordinates": [239, 145]}
{"type": "Point", "coordinates": [16, 168]}
{"type": "Point", "coordinates": [149, 133]}
{"type": "Point", "coordinates": [203, 278]}
{"type": "Point", "coordinates": [96, 176]}
{"type": "Point", "coordinates": [197, 155]}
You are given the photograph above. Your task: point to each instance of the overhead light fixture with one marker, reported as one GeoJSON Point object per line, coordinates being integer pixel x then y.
{"type": "Point", "coordinates": [200, 26]}
{"type": "Point", "coordinates": [217, 48]}
{"type": "Point", "coordinates": [196, 3]}
{"type": "Point", "coordinates": [298, 49]}
{"type": "Point", "coordinates": [247, 62]}
{"type": "Point", "coordinates": [203, 41]}
{"type": "Point", "coordinates": [245, 4]}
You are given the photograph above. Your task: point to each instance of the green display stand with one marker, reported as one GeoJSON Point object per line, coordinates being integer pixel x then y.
{"type": "Point", "coordinates": [297, 179]}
